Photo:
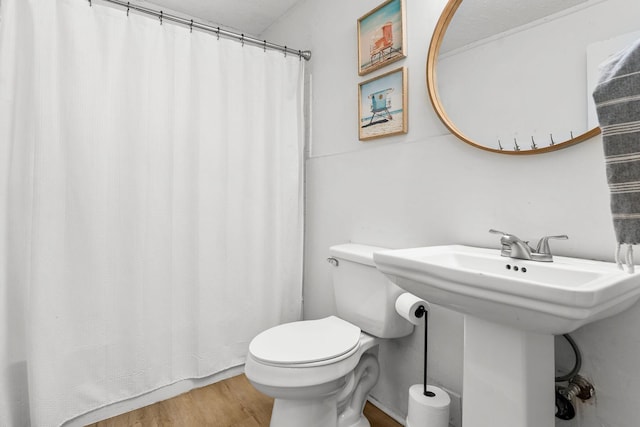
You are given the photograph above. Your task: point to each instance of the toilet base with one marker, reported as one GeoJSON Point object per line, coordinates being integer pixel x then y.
{"type": "Point", "coordinates": [341, 408]}
{"type": "Point", "coordinates": [361, 422]}
{"type": "Point", "coordinates": [354, 395]}
{"type": "Point", "coordinates": [312, 413]}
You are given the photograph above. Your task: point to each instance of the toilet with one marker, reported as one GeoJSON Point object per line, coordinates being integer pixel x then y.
{"type": "Point", "coordinates": [320, 372]}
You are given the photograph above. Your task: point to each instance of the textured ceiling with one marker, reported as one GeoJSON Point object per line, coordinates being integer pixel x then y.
{"type": "Point", "coordinates": [474, 20]}
{"type": "Point", "coordinates": [251, 17]}
{"type": "Point", "coordinates": [479, 19]}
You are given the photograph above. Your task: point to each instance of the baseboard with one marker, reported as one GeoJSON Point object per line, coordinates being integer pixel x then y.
{"type": "Point", "coordinates": [151, 397]}
{"type": "Point", "coordinates": [389, 412]}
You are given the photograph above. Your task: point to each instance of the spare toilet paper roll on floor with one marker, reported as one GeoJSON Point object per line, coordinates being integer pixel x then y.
{"type": "Point", "coordinates": [427, 411]}
{"type": "Point", "coordinates": [407, 304]}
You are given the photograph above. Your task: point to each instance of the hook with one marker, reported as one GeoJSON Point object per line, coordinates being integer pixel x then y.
{"type": "Point", "coordinates": [300, 55]}
{"type": "Point", "coordinates": [128, 7]}
{"type": "Point", "coordinates": [161, 16]}
{"type": "Point", "coordinates": [285, 51]}
{"type": "Point", "coordinates": [191, 27]}
{"type": "Point", "coordinates": [571, 134]}
{"type": "Point", "coordinates": [552, 141]}
{"type": "Point", "coordinates": [90, 5]}
{"type": "Point", "coordinates": [265, 45]}
{"type": "Point", "coordinates": [516, 147]}
{"type": "Point", "coordinates": [533, 143]}
{"type": "Point", "coordinates": [242, 39]}
{"type": "Point", "coordinates": [500, 144]}
{"type": "Point", "coordinates": [218, 33]}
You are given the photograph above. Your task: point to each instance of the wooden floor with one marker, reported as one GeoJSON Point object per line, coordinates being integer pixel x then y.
{"type": "Point", "coordinates": [230, 403]}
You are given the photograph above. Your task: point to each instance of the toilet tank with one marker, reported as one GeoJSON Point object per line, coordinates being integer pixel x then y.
{"type": "Point", "coordinates": [364, 296]}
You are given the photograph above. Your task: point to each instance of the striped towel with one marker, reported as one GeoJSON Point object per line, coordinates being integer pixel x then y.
{"type": "Point", "coordinates": [617, 98]}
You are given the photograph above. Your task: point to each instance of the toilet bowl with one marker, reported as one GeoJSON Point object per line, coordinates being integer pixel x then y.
{"type": "Point", "coordinates": [314, 369]}
{"type": "Point", "coordinates": [320, 372]}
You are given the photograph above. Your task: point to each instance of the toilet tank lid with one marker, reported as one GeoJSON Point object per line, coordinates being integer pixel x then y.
{"type": "Point", "coordinates": [355, 252]}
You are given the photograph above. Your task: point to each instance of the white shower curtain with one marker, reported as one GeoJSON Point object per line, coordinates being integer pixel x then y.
{"type": "Point", "coordinates": [150, 205]}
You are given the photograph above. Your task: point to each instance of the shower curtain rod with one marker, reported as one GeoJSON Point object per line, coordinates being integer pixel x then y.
{"type": "Point", "coordinates": [306, 54]}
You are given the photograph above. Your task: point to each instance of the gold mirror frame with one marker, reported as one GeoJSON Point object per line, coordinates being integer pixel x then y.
{"type": "Point", "coordinates": [432, 87]}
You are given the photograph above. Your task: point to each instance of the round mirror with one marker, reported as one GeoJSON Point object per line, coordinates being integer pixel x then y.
{"type": "Point", "coordinates": [506, 75]}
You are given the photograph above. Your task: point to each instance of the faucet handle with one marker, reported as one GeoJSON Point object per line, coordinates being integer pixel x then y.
{"type": "Point", "coordinates": [507, 238]}
{"type": "Point", "coordinates": [503, 239]}
{"type": "Point", "coordinates": [543, 244]}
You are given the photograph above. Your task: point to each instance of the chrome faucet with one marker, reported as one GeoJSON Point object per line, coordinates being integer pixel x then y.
{"type": "Point", "coordinates": [513, 247]}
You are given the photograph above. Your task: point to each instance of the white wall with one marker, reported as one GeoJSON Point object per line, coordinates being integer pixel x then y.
{"type": "Point", "coordinates": [428, 188]}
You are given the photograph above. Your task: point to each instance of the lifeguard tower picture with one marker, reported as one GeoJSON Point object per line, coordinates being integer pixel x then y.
{"type": "Point", "coordinates": [381, 44]}
{"type": "Point", "coordinates": [383, 105]}
{"type": "Point", "coordinates": [381, 36]}
{"type": "Point", "coordinates": [380, 104]}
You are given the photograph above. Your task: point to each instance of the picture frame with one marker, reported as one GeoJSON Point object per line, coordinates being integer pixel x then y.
{"type": "Point", "coordinates": [382, 105]}
{"type": "Point", "coordinates": [381, 36]}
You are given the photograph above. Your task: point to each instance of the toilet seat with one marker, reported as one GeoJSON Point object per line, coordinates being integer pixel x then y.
{"type": "Point", "coordinates": [306, 343]}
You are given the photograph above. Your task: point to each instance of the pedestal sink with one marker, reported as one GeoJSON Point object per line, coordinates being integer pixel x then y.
{"type": "Point", "coordinates": [512, 309]}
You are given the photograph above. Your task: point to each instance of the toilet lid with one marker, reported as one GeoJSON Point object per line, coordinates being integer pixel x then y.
{"type": "Point", "coordinates": [305, 342]}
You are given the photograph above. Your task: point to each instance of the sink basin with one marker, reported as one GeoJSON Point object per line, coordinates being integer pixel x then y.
{"type": "Point", "coordinates": [547, 297]}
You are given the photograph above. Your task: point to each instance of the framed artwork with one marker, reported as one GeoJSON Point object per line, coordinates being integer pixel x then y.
{"type": "Point", "coordinates": [382, 105]}
{"type": "Point", "coordinates": [381, 36]}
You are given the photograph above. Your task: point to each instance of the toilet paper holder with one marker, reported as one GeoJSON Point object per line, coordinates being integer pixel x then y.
{"type": "Point", "coordinates": [420, 312]}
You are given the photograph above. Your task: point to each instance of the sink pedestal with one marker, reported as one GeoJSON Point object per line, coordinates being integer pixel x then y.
{"type": "Point", "coordinates": [508, 376]}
